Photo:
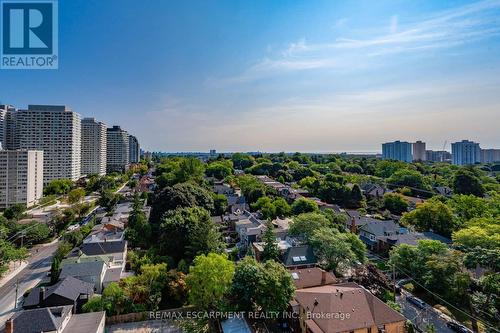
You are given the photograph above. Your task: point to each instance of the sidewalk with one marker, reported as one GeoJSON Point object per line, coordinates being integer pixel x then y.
{"type": "Point", "coordinates": [14, 269]}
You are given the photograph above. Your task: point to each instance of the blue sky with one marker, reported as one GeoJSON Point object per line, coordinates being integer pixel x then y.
{"type": "Point", "coordinates": [276, 75]}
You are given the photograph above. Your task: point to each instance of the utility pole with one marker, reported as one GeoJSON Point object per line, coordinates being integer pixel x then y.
{"type": "Point", "coordinates": [394, 280]}
{"type": "Point", "coordinates": [17, 290]}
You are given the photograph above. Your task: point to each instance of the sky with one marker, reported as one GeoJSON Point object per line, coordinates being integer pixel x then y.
{"type": "Point", "coordinates": [312, 76]}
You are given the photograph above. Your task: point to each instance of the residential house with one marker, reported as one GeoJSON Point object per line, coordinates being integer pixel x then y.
{"type": "Point", "coordinates": [92, 272]}
{"type": "Point", "coordinates": [258, 248]}
{"type": "Point", "coordinates": [301, 256]}
{"type": "Point", "coordinates": [58, 319]}
{"type": "Point", "coordinates": [311, 277]}
{"type": "Point", "coordinates": [68, 291]}
{"type": "Point", "coordinates": [370, 232]}
{"type": "Point", "coordinates": [386, 243]}
{"type": "Point", "coordinates": [371, 190]}
{"type": "Point", "coordinates": [350, 308]}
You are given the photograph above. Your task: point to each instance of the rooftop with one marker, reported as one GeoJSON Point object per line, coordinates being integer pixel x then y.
{"type": "Point", "coordinates": [357, 308]}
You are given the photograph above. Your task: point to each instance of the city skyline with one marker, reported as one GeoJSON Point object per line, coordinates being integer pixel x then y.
{"type": "Point", "coordinates": [261, 77]}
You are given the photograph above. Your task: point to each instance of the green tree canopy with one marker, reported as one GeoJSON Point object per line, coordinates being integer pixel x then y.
{"type": "Point", "coordinates": [209, 281]}
{"type": "Point", "coordinates": [395, 203]}
{"type": "Point", "coordinates": [431, 215]}
{"type": "Point", "coordinates": [179, 196]}
{"type": "Point", "coordinates": [306, 224]}
{"type": "Point", "coordinates": [187, 232]}
{"type": "Point", "coordinates": [303, 205]}
{"type": "Point", "coordinates": [337, 251]}
{"type": "Point", "coordinates": [261, 287]}
{"type": "Point", "coordinates": [466, 182]}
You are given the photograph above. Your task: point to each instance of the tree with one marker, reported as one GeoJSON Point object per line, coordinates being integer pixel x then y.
{"type": "Point", "coordinates": [190, 169]}
{"type": "Point", "coordinates": [410, 178]}
{"type": "Point", "coordinates": [262, 287]}
{"type": "Point", "coordinates": [179, 196]}
{"type": "Point", "coordinates": [58, 187]}
{"type": "Point", "coordinates": [479, 232]}
{"type": "Point", "coordinates": [395, 203]}
{"type": "Point", "coordinates": [467, 207]}
{"type": "Point", "coordinates": [220, 204]}
{"type": "Point", "coordinates": [76, 195]}
{"type": "Point", "coordinates": [108, 199]}
{"type": "Point", "coordinates": [187, 232]}
{"type": "Point", "coordinates": [337, 251]}
{"type": "Point", "coordinates": [271, 251]}
{"type": "Point", "coordinates": [466, 182]}
{"type": "Point", "coordinates": [242, 161]}
{"type": "Point", "coordinates": [305, 224]}
{"type": "Point", "coordinates": [356, 198]}
{"type": "Point", "coordinates": [431, 215]}
{"type": "Point", "coordinates": [147, 286]}
{"type": "Point", "coordinates": [209, 281]}
{"type": "Point", "coordinates": [14, 212]}
{"type": "Point", "coordinates": [113, 300]}
{"type": "Point", "coordinates": [282, 207]}
{"type": "Point", "coordinates": [303, 205]}
{"type": "Point", "coordinates": [36, 232]}
{"type": "Point", "coordinates": [10, 253]}
{"type": "Point", "coordinates": [219, 170]}
{"type": "Point", "coordinates": [353, 168]}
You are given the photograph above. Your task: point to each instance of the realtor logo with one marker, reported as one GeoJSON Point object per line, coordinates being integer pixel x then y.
{"type": "Point", "coordinates": [29, 34]}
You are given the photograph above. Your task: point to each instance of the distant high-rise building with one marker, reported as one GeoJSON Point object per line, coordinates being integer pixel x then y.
{"type": "Point", "coordinates": [117, 150]}
{"type": "Point", "coordinates": [5, 111]}
{"type": "Point", "coordinates": [490, 155]}
{"type": "Point", "coordinates": [397, 150]}
{"type": "Point", "coordinates": [134, 149]}
{"type": "Point", "coordinates": [21, 177]}
{"type": "Point", "coordinates": [213, 152]}
{"type": "Point", "coordinates": [419, 151]}
{"type": "Point", "coordinates": [53, 129]}
{"type": "Point", "coordinates": [437, 156]}
{"type": "Point", "coordinates": [94, 147]}
{"type": "Point", "coordinates": [465, 152]}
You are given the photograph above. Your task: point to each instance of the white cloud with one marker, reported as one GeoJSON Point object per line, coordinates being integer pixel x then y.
{"type": "Point", "coordinates": [447, 29]}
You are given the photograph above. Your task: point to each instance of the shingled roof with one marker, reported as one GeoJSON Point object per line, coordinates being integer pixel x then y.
{"type": "Point", "coordinates": [98, 248]}
{"type": "Point", "coordinates": [69, 288]}
{"type": "Point", "coordinates": [40, 320]}
{"type": "Point", "coordinates": [360, 309]}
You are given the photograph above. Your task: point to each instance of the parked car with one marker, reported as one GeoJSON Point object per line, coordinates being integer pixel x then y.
{"type": "Point", "coordinates": [417, 301]}
{"type": "Point", "coordinates": [458, 327]}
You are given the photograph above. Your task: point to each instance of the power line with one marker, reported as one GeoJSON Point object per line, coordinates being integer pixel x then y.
{"type": "Point", "coordinates": [438, 296]}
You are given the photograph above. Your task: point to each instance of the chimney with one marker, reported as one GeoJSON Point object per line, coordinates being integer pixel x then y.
{"type": "Point", "coordinates": [9, 326]}
{"type": "Point", "coordinates": [353, 226]}
{"type": "Point", "coordinates": [41, 295]}
{"type": "Point", "coordinates": [323, 277]}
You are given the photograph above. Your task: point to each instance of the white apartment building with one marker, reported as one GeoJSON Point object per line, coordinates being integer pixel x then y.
{"type": "Point", "coordinates": [21, 177]}
{"type": "Point", "coordinates": [134, 149]}
{"type": "Point", "coordinates": [56, 130]}
{"type": "Point", "coordinates": [94, 147]}
{"type": "Point", "coordinates": [117, 150]}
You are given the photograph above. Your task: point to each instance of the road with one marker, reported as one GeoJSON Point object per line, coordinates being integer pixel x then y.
{"type": "Point", "coordinates": [421, 317]}
{"type": "Point", "coordinates": [38, 265]}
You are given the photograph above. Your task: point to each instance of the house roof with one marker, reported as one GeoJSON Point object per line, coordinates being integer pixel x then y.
{"type": "Point", "coordinates": [85, 322]}
{"type": "Point", "coordinates": [69, 288]}
{"type": "Point", "coordinates": [98, 248]}
{"type": "Point", "coordinates": [40, 320]}
{"type": "Point", "coordinates": [299, 255]}
{"type": "Point", "coordinates": [92, 268]}
{"type": "Point", "coordinates": [413, 238]}
{"type": "Point", "coordinates": [380, 228]}
{"type": "Point", "coordinates": [311, 277]}
{"type": "Point", "coordinates": [358, 308]}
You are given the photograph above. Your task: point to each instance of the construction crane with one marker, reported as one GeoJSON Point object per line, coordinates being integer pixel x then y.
{"type": "Point", "coordinates": [444, 147]}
